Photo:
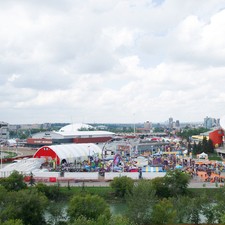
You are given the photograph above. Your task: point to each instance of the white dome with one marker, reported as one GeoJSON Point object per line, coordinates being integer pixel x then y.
{"type": "Point", "coordinates": [74, 127]}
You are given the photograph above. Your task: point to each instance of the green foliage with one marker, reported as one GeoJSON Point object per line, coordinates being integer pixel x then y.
{"type": "Point", "coordinates": [207, 145]}
{"type": "Point", "coordinates": [186, 133]}
{"type": "Point", "coordinates": [162, 190]}
{"type": "Point", "coordinates": [26, 205]}
{"type": "Point", "coordinates": [14, 182]}
{"type": "Point", "coordinates": [159, 129]}
{"type": "Point", "coordinates": [122, 185]}
{"type": "Point", "coordinates": [180, 204]}
{"type": "Point", "coordinates": [13, 222]}
{"type": "Point", "coordinates": [203, 146]}
{"type": "Point", "coordinates": [81, 220]}
{"type": "Point", "coordinates": [210, 146]}
{"type": "Point", "coordinates": [89, 206]}
{"type": "Point", "coordinates": [115, 220]}
{"type": "Point", "coordinates": [120, 220]}
{"type": "Point", "coordinates": [57, 213]}
{"type": "Point", "coordinates": [51, 192]}
{"type": "Point", "coordinates": [163, 212]}
{"type": "Point", "coordinates": [104, 192]}
{"type": "Point", "coordinates": [140, 202]}
{"type": "Point", "coordinates": [218, 202]}
{"type": "Point", "coordinates": [177, 182]}
{"type": "Point", "coordinates": [194, 209]}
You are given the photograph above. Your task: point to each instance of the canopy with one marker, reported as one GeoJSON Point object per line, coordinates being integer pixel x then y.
{"type": "Point", "coordinates": [203, 155]}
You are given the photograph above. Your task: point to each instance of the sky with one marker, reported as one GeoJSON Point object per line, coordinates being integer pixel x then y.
{"type": "Point", "coordinates": [111, 61]}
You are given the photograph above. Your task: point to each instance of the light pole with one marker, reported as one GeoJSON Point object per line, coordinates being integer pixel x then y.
{"type": "Point", "coordinates": [1, 153]}
{"type": "Point", "coordinates": [89, 157]}
{"type": "Point", "coordinates": [134, 126]}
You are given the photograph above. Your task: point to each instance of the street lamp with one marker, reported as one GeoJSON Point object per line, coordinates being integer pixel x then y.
{"type": "Point", "coordinates": [1, 153]}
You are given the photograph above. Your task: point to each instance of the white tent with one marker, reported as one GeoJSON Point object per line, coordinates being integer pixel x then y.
{"type": "Point", "coordinates": [203, 155]}
{"type": "Point", "coordinates": [69, 152]}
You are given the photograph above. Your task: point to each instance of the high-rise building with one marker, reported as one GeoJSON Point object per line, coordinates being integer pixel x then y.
{"type": "Point", "coordinates": [4, 131]}
{"type": "Point", "coordinates": [147, 126]}
{"type": "Point", "coordinates": [170, 123]}
{"type": "Point", "coordinates": [210, 122]}
{"type": "Point", "coordinates": [177, 124]}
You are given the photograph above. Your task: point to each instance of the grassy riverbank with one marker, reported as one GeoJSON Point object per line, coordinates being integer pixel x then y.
{"type": "Point", "coordinates": [105, 192]}
{"type": "Point", "coordinates": [108, 193]}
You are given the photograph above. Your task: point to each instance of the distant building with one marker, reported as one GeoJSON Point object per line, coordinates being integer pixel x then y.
{"type": "Point", "coordinates": [4, 131]}
{"type": "Point", "coordinates": [146, 129]}
{"type": "Point", "coordinates": [148, 126]}
{"type": "Point", "coordinates": [177, 124]}
{"type": "Point", "coordinates": [30, 126]}
{"type": "Point", "coordinates": [210, 122]}
{"type": "Point", "coordinates": [170, 123]}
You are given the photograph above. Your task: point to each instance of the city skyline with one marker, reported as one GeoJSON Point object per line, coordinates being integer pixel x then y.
{"type": "Point", "coordinates": [113, 61]}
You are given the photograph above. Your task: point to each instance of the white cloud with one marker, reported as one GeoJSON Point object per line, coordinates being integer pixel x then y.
{"type": "Point", "coordinates": [106, 61]}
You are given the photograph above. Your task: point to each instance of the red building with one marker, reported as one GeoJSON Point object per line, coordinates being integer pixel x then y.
{"type": "Point", "coordinates": [217, 137]}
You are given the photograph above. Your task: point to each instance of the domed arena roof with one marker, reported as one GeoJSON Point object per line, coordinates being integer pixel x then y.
{"type": "Point", "coordinates": [74, 127]}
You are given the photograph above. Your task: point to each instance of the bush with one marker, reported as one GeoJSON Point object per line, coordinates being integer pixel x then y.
{"type": "Point", "coordinates": [14, 182]}
{"type": "Point", "coordinates": [51, 192]}
{"type": "Point", "coordinates": [122, 186]}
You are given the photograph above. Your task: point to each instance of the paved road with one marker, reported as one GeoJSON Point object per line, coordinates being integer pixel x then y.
{"type": "Point", "coordinates": [193, 184]}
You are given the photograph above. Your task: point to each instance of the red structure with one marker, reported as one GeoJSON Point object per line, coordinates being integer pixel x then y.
{"type": "Point", "coordinates": [47, 153]}
{"type": "Point", "coordinates": [217, 137]}
{"type": "Point", "coordinates": [91, 139]}
{"type": "Point", "coordinates": [39, 141]}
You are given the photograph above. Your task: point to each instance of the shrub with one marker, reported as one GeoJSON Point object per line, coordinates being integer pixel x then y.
{"type": "Point", "coordinates": [122, 186]}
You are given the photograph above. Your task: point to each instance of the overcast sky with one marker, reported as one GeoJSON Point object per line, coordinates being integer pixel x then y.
{"type": "Point", "coordinates": [106, 61]}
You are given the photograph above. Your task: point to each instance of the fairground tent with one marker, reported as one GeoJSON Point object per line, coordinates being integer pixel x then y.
{"type": "Point", "coordinates": [68, 153]}
{"type": "Point", "coordinates": [203, 155]}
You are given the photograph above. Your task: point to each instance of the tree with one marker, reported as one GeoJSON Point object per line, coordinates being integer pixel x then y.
{"type": "Point", "coordinates": [120, 220]}
{"type": "Point", "coordinates": [31, 181]}
{"type": "Point", "coordinates": [163, 212]}
{"type": "Point", "coordinates": [51, 192]}
{"type": "Point", "coordinates": [204, 144]}
{"type": "Point", "coordinates": [195, 149]}
{"type": "Point", "coordinates": [57, 213]}
{"type": "Point", "coordinates": [26, 205]}
{"type": "Point", "coordinates": [194, 210]}
{"type": "Point", "coordinates": [161, 188]}
{"type": "Point", "coordinates": [14, 182]}
{"type": "Point", "coordinates": [140, 202]}
{"type": "Point", "coordinates": [199, 147]}
{"type": "Point", "coordinates": [180, 204]}
{"type": "Point", "coordinates": [82, 220]}
{"type": "Point", "coordinates": [177, 182]}
{"type": "Point", "coordinates": [210, 146]}
{"type": "Point", "coordinates": [13, 222]}
{"type": "Point", "coordinates": [89, 206]}
{"type": "Point", "coordinates": [122, 185]}
{"type": "Point", "coordinates": [219, 201]}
